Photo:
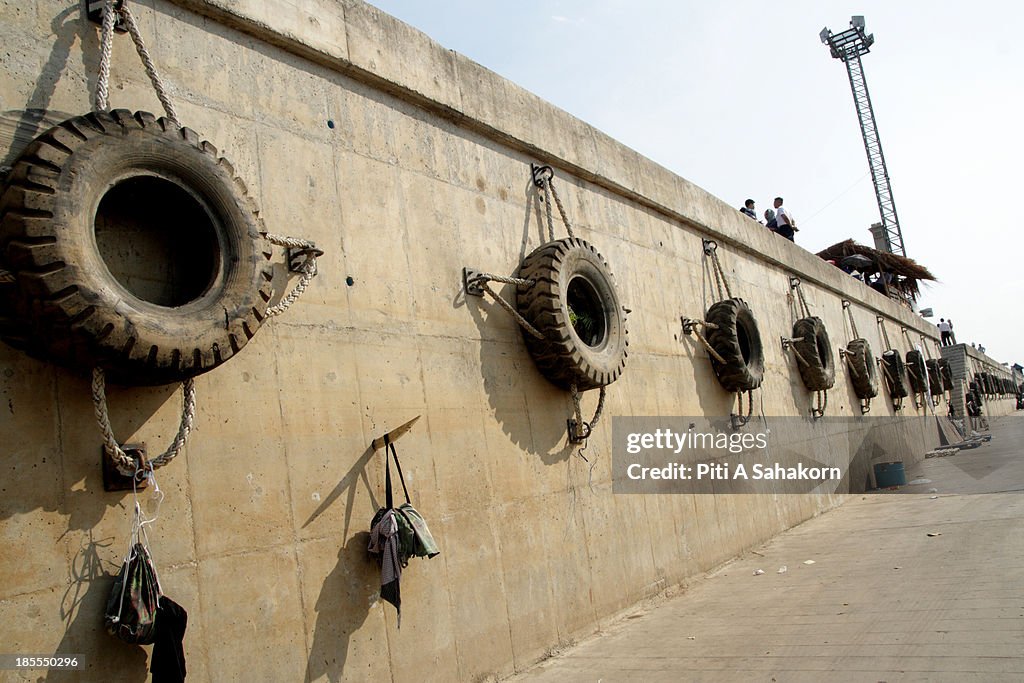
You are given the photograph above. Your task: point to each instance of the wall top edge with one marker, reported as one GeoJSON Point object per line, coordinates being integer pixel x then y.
{"type": "Point", "coordinates": [372, 47]}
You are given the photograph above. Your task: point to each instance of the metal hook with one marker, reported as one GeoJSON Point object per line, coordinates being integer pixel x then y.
{"type": "Point", "coordinates": [709, 246]}
{"type": "Point", "coordinates": [794, 282]}
{"type": "Point", "coordinates": [537, 171]}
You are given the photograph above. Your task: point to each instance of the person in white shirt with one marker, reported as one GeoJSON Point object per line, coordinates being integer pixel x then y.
{"type": "Point", "coordinates": [944, 329]}
{"type": "Point", "coordinates": [785, 224]}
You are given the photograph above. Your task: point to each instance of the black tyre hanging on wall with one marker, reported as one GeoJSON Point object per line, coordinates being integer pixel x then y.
{"type": "Point", "coordinates": [863, 374]}
{"type": "Point", "coordinates": [815, 358]}
{"type": "Point", "coordinates": [895, 374]}
{"type": "Point", "coordinates": [575, 306]}
{"type": "Point", "coordinates": [934, 376]}
{"type": "Point", "coordinates": [733, 334]}
{"type": "Point", "coordinates": [134, 247]}
{"type": "Point", "coordinates": [916, 371]}
{"type": "Point", "coordinates": [946, 370]}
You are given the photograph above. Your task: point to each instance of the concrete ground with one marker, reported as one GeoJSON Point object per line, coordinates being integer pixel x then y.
{"type": "Point", "coordinates": [925, 587]}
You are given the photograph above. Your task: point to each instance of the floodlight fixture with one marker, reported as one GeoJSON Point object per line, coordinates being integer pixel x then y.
{"type": "Point", "coordinates": [857, 21]}
{"type": "Point", "coordinates": [824, 35]}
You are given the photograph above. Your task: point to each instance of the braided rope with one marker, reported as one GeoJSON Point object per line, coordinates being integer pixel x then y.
{"type": "Point", "coordinates": [518, 281]}
{"type": "Point", "coordinates": [578, 411]}
{"type": "Point", "coordinates": [549, 186]}
{"type": "Point", "coordinates": [720, 273]}
{"type": "Point", "coordinates": [803, 301]}
{"type": "Point", "coordinates": [717, 356]}
{"type": "Point", "coordinates": [885, 334]}
{"type": "Point", "coordinates": [849, 363]}
{"type": "Point", "coordinates": [106, 49]}
{"type": "Point", "coordinates": [750, 405]}
{"type": "Point", "coordinates": [6, 276]}
{"type": "Point", "coordinates": [821, 405]}
{"type": "Point", "coordinates": [799, 357]}
{"type": "Point", "coordinates": [526, 325]}
{"type": "Point", "coordinates": [307, 269]}
{"type": "Point", "coordinates": [125, 464]}
{"type": "Point", "coordinates": [853, 324]}
{"type": "Point", "coordinates": [147, 62]}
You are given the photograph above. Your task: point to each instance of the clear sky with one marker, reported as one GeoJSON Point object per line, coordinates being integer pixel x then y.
{"type": "Point", "coordinates": [741, 98]}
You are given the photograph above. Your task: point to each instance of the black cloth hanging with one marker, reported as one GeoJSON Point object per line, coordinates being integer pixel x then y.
{"type": "Point", "coordinates": [168, 661]}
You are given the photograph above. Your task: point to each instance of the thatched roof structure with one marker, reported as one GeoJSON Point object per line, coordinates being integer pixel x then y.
{"type": "Point", "coordinates": [905, 271]}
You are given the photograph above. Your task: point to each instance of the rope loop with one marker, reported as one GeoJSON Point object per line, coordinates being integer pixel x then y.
{"type": "Point", "coordinates": [692, 325]}
{"type": "Point", "coordinates": [585, 429]}
{"type": "Point", "coordinates": [544, 177]}
{"type": "Point", "coordinates": [111, 10]}
{"type": "Point", "coordinates": [297, 247]}
{"type": "Point", "coordinates": [126, 465]}
{"type": "Point", "coordinates": [721, 281]}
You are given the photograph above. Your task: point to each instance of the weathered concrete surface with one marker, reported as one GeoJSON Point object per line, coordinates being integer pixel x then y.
{"type": "Point", "coordinates": [966, 363]}
{"type": "Point", "coordinates": [405, 162]}
{"type": "Point", "coordinates": [884, 600]}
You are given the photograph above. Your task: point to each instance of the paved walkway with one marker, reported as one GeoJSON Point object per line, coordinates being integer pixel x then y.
{"type": "Point", "coordinates": [885, 600]}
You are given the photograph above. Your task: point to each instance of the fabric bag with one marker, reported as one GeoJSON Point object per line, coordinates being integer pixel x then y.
{"type": "Point", "coordinates": [134, 599]}
{"type": "Point", "coordinates": [396, 534]}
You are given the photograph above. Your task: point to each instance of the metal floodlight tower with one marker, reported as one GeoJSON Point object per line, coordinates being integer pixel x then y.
{"type": "Point", "coordinates": [848, 46]}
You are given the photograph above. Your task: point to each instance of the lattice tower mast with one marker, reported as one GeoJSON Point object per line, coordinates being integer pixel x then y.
{"type": "Point", "coordinates": [849, 46]}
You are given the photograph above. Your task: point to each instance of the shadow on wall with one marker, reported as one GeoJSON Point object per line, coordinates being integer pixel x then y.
{"type": "Point", "coordinates": [68, 455]}
{"type": "Point", "coordinates": [342, 607]}
{"type": "Point", "coordinates": [533, 420]}
{"type": "Point", "coordinates": [18, 128]}
{"type": "Point", "coordinates": [348, 483]}
{"type": "Point", "coordinates": [82, 609]}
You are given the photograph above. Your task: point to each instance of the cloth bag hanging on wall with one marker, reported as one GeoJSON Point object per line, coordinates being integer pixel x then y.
{"type": "Point", "coordinates": [397, 534]}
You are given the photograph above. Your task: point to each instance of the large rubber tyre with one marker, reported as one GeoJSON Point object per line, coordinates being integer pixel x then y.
{"type": "Point", "coordinates": [946, 370]}
{"type": "Point", "coordinates": [863, 374]}
{"type": "Point", "coordinates": [917, 372]}
{"type": "Point", "coordinates": [818, 368]}
{"type": "Point", "coordinates": [67, 306]}
{"type": "Point", "coordinates": [571, 271]}
{"type": "Point", "coordinates": [895, 374]}
{"type": "Point", "coordinates": [934, 377]}
{"type": "Point", "coordinates": [736, 339]}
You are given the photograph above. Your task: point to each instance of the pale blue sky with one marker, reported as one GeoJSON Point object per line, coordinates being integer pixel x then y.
{"type": "Point", "coordinates": [741, 98]}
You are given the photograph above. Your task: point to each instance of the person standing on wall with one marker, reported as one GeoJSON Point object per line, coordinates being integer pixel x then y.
{"type": "Point", "coordinates": [769, 220]}
{"type": "Point", "coordinates": [785, 223]}
{"type": "Point", "coordinates": [944, 332]}
{"type": "Point", "coordinates": [748, 209]}
{"type": "Point", "coordinates": [952, 334]}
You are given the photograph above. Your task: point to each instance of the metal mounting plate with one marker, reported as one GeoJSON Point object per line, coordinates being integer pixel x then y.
{"type": "Point", "coordinates": [113, 480]}
{"type": "Point", "coordinates": [472, 282]}
{"type": "Point", "coordinates": [94, 13]}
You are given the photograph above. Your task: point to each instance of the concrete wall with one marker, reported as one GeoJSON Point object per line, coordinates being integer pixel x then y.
{"type": "Point", "coordinates": [966, 362]}
{"type": "Point", "coordinates": [405, 162]}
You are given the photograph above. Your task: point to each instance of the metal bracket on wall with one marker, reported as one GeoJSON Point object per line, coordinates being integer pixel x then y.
{"type": "Point", "coordinates": [297, 258]}
{"type": "Point", "coordinates": [689, 324]}
{"type": "Point", "coordinates": [113, 480]}
{"type": "Point", "coordinates": [787, 342]}
{"type": "Point", "coordinates": [577, 433]}
{"type": "Point", "coordinates": [709, 246]}
{"type": "Point", "coordinates": [794, 282]}
{"type": "Point", "coordinates": [541, 173]}
{"type": "Point", "coordinates": [94, 13]}
{"type": "Point", "coordinates": [473, 282]}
